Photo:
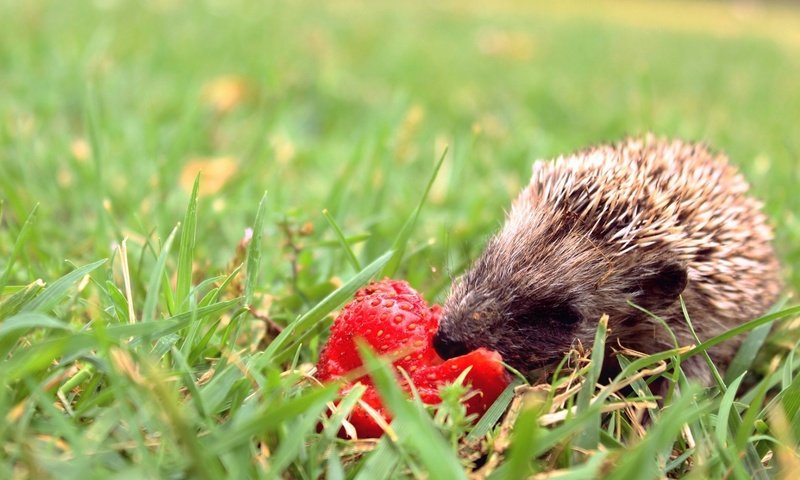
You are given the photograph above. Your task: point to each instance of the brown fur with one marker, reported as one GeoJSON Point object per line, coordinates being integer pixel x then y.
{"type": "Point", "coordinates": [642, 221]}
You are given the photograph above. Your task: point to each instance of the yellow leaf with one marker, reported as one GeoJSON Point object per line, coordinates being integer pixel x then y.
{"type": "Point", "coordinates": [215, 173]}
{"type": "Point", "coordinates": [225, 93]}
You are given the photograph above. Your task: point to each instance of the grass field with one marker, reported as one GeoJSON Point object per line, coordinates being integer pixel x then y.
{"type": "Point", "coordinates": [126, 342]}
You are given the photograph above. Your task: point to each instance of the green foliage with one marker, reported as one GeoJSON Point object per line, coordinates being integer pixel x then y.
{"type": "Point", "coordinates": [126, 127]}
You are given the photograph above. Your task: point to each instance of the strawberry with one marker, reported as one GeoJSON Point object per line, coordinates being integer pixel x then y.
{"type": "Point", "coordinates": [395, 321]}
{"type": "Point", "coordinates": [388, 322]}
{"type": "Point", "coordinates": [487, 377]}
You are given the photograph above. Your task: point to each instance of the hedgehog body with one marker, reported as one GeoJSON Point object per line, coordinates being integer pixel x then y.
{"type": "Point", "coordinates": [643, 222]}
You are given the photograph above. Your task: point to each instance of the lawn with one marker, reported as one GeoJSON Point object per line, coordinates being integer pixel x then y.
{"type": "Point", "coordinates": [139, 322]}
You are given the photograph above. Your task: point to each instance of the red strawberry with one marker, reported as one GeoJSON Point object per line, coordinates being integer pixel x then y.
{"type": "Point", "coordinates": [388, 322]}
{"type": "Point", "coordinates": [395, 320]}
{"type": "Point", "coordinates": [388, 286]}
{"type": "Point", "coordinates": [487, 376]}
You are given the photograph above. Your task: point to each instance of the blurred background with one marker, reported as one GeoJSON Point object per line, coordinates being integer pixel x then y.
{"type": "Point", "coordinates": [109, 108]}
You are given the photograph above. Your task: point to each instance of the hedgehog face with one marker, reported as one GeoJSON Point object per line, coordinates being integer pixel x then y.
{"type": "Point", "coordinates": [533, 308]}
{"type": "Point", "coordinates": [527, 335]}
{"type": "Point", "coordinates": [516, 310]}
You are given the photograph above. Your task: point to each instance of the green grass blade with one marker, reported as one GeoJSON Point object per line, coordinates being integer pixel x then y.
{"type": "Point", "coordinates": [747, 352]}
{"type": "Point", "coordinates": [15, 327]}
{"type": "Point", "coordinates": [343, 409]}
{"type": "Point", "coordinates": [224, 285]}
{"type": "Point", "coordinates": [186, 251]}
{"type": "Point", "coordinates": [53, 294]}
{"type": "Point", "coordinates": [334, 469]}
{"type": "Point", "coordinates": [293, 443]}
{"type": "Point", "coordinates": [30, 361]}
{"type": "Point", "coordinates": [497, 410]}
{"type": "Point", "coordinates": [401, 242]}
{"type": "Point", "coordinates": [789, 399]}
{"type": "Point", "coordinates": [169, 325]}
{"type": "Point", "coordinates": [785, 314]}
{"type": "Point", "coordinates": [715, 375]}
{"type": "Point", "coordinates": [119, 301]}
{"type": "Point", "coordinates": [18, 300]}
{"type": "Point", "coordinates": [267, 418]}
{"type": "Point", "coordinates": [721, 429]}
{"type": "Point", "coordinates": [351, 257]}
{"type": "Point", "coordinates": [414, 427]}
{"type": "Point", "coordinates": [590, 436]}
{"type": "Point", "coordinates": [253, 260]}
{"type": "Point", "coordinates": [156, 276]}
{"type": "Point", "coordinates": [747, 426]}
{"type": "Point", "coordinates": [42, 354]}
{"type": "Point", "coordinates": [186, 374]}
{"type": "Point", "coordinates": [640, 461]}
{"type": "Point", "coordinates": [591, 469]}
{"type": "Point", "coordinates": [339, 296]}
{"type": "Point", "coordinates": [20, 242]}
{"type": "Point", "coordinates": [524, 439]}
{"type": "Point", "coordinates": [381, 462]}
{"type": "Point", "coordinates": [354, 239]}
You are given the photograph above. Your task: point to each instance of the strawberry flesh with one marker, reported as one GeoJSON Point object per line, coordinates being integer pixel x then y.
{"type": "Point", "coordinates": [395, 321]}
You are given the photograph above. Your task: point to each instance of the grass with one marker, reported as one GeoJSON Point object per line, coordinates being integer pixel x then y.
{"type": "Point", "coordinates": [147, 333]}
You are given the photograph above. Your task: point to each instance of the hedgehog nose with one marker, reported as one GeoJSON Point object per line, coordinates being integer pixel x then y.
{"type": "Point", "coordinates": [447, 347]}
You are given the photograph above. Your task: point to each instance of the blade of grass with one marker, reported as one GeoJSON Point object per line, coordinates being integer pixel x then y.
{"type": "Point", "coordinates": [747, 423]}
{"type": "Point", "coordinates": [330, 243]}
{"type": "Point", "coordinates": [202, 465]}
{"type": "Point", "coordinates": [498, 408]}
{"type": "Point", "coordinates": [186, 373]}
{"type": "Point", "coordinates": [639, 461]}
{"type": "Point", "coordinates": [401, 242]}
{"type": "Point", "coordinates": [224, 285]}
{"type": "Point", "coordinates": [709, 362]}
{"type": "Point", "coordinates": [725, 406]}
{"type": "Point", "coordinates": [121, 306]}
{"type": "Point", "coordinates": [736, 422]}
{"type": "Point", "coordinates": [30, 361]}
{"type": "Point", "coordinates": [747, 352]}
{"type": "Point", "coordinates": [739, 329]}
{"type": "Point", "coordinates": [52, 294]}
{"type": "Point", "coordinates": [268, 417]}
{"type": "Point", "coordinates": [15, 327]}
{"type": "Point", "coordinates": [790, 400]}
{"type": "Point", "coordinates": [589, 438]}
{"type": "Point", "coordinates": [253, 260]}
{"type": "Point", "coordinates": [292, 444]}
{"type": "Point", "coordinates": [156, 276]}
{"type": "Point", "coordinates": [524, 439]}
{"type": "Point", "coordinates": [334, 469]}
{"type": "Point", "coordinates": [343, 409]}
{"type": "Point", "coordinates": [41, 355]}
{"type": "Point", "coordinates": [414, 427]}
{"type": "Point", "coordinates": [92, 121]}
{"type": "Point", "coordinates": [381, 462]}
{"type": "Point", "coordinates": [186, 250]}
{"type": "Point", "coordinates": [676, 361]}
{"type": "Point", "coordinates": [171, 324]}
{"type": "Point", "coordinates": [322, 309]}
{"type": "Point", "coordinates": [18, 300]}
{"type": "Point", "coordinates": [351, 257]}
{"type": "Point", "coordinates": [21, 239]}
{"type": "Point", "coordinates": [189, 346]}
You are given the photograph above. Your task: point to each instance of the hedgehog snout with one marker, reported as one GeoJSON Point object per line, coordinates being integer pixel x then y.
{"type": "Point", "coordinates": [448, 347]}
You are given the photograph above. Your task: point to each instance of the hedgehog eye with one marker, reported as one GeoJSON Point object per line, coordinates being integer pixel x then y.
{"type": "Point", "coordinates": [566, 315]}
{"type": "Point", "coordinates": [563, 314]}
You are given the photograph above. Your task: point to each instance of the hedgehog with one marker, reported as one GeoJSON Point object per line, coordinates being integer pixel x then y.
{"type": "Point", "coordinates": [606, 230]}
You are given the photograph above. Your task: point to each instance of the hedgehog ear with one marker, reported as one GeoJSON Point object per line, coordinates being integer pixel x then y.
{"type": "Point", "coordinates": [662, 285]}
